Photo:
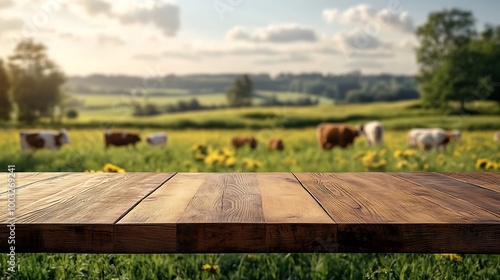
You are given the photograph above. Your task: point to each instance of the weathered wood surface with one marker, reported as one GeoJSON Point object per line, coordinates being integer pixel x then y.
{"type": "Point", "coordinates": [254, 212]}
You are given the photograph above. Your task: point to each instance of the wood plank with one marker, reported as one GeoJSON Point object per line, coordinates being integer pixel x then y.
{"type": "Point", "coordinates": [487, 180]}
{"type": "Point", "coordinates": [480, 238]}
{"type": "Point", "coordinates": [85, 197]}
{"type": "Point", "coordinates": [151, 225]}
{"type": "Point", "coordinates": [483, 198]}
{"type": "Point", "coordinates": [377, 213]}
{"type": "Point", "coordinates": [295, 222]}
{"type": "Point", "coordinates": [24, 179]}
{"type": "Point", "coordinates": [225, 214]}
{"type": "Point", "coordinates": [284, 200]}
{"type": "Point", "coordinates": [225, 198]}
{"type": "Point", "coordinates": [79, 207]}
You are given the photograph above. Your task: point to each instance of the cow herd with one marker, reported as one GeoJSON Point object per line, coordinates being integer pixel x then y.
{"type": "Point", "coordinates": [328, 136]}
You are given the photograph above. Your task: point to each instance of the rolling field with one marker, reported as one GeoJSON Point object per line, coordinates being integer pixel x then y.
{"type": "Point", "coordinates": [396, 115]}
{"type": "Point", "coordinates": [199, 150]}
{"type": "Point", "coordinates": [208, 150]}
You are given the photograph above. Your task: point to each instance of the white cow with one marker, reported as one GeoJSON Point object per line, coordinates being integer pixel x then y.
{"type": "Point", "coordinates": [155, 139]}
{"type": "Point", "coordinates": [373, 132]}
{"type": "Point", "coordinates": [496, 136]}
{"type": "Point", "coordinates": [45, 139]}
{"type": "Point", "coordinates": [428, 138]}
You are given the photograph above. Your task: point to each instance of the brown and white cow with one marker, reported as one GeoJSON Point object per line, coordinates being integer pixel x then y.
{"type": "Point", "coordinates": [239, 142]}
{"type": "Point", "coordinates": [330, 135]}
{"type": "Point", "coordinates": [373, 132]}
{"type": "Point", "coordinates": [121, 138]}
{"type": "Point", "coordinates": [276, 144]}
{"type": "Point", "coordinates": [44, 139]}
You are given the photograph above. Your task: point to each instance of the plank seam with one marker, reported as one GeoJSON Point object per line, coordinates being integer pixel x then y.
{"type": "Point", "coordinates": [449, 195]}
{"type": "Point", "coordinates": [314, 197]}
{"type": "Point", "coordinates": [463, 181]}
{"type": "Point", "coordinates": [137, 203]}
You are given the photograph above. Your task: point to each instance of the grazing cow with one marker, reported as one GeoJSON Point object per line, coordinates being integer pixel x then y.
{"type": "Point", "coordinates": [239, 142]}
{"type": "Point", "coordinates": [155, 139]}
{"type": "Point", "coordinates": [496, 136]}
{"type": "Point", "coordinates": [276, 144]}
{"type": "Point", "coordinates": [373, 132]}
{"type": "Point", "coordinates": [121, 138]}
{"type": "Point", "coordinates": [428, 138]}
{"type": "Point", "coordinates": [53, 140]}
{"type": "Point", "coordinates": [330, 135]}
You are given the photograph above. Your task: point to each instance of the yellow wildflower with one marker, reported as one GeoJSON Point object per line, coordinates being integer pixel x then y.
{"type": "Point", "coordinates": [397, 154]}
{"type": "Point", "coordinates": [206, 267]}
{"type": "Point", "coordinates": [426, 166]}
{"type": "Point", "coordinates": [481, 163]}
{"type": "Point", "coordinates": [402, 164]}
{"type": "Point", "coordinates": [211, 268]}
{"type": "Point", "coordinates": [409, 153]}
{"type": "Point", "coordinates": [230, 162]}
{"type": "Point", "coordinates": [452, 257]}
{"type": "Point", "coordinates": [113, 168]}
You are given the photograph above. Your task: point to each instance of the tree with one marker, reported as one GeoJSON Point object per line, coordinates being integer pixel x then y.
{"type": "Point", "coordinates": [5, 101]}
{"type": "Point", "coordinates": [444, 32]}
{"type": "Point", "coordinates": [240, 94]}
{"type": "Point", "coordinates": [36, 81]}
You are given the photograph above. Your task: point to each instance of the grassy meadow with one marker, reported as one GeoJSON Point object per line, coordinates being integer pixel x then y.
{"type": "Point", "coordinates": [199, 150]}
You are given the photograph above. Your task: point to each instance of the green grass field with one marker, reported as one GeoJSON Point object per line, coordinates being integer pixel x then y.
{"type": "Point", "coordinates": [397, 115]}
{"type": "Point", "coordinates": [198, 150]}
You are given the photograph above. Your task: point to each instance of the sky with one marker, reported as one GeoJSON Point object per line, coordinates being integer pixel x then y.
{"type": "Point", "coordinates": [159, 37]}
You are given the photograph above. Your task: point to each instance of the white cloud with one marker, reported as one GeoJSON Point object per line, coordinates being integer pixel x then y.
{"type": "Point", "coordinates": [365, 14]}
{"type": "Point", "coordinates": [356, 40]}
{"type": "Point", "coordinates": [94, 7]}
{"type": "Point", "coordinates": [289, 58]}
{"type": "Point", "coordinates": [238, 33]}
{"type": "Point", "coordinates": [164, 16]}
{"type": "Point", "coordinates": [284, 33]}
{"type": "Point", "coordinates": [408, 45]}
{"type": "Point", "coordinates": [6, 3]}
{"type": "Point", "coordinates": [109, 40]}
{"type": "Point", "coordinates": [7, 25]}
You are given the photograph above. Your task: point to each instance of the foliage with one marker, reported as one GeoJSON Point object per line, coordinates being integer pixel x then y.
{"type": "Point", "coordinates": [36, 81]}
{"type": "Point", "coordinates": [5, 100]}
{"type": "Point", "coordinates": [457, 64]}
{"type": "Point", "coordinates": [72, 114]}
{"type": "Point", "coordinates": [240, 94]}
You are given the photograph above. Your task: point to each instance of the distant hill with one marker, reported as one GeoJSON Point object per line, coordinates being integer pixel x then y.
{"type": "Point", "coordinates": [347, 88]}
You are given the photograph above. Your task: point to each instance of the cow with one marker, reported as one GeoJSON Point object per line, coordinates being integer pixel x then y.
{"type": "Point", "coordinates": [52, 140]}
{"type": "Point", "coordinates": [276, 144]}
{"type": "Point", "coordinates": [496, 136]}
{"type": "Point", "coordinates": [373, 132]}
{"type": "Point", "coordinates": [330, 135]}
{"type": "Point", "coordinates": [155, 139]}
{"type": "Point", "coordinates": [429, 138]}
{"type": "Point", "coordinates": [239, 142]}
{"type": "Point", "coordinates": [121, 138]}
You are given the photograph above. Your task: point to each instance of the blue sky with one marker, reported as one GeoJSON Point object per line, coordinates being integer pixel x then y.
{"type": "Point", "coordinates": [147, 37]}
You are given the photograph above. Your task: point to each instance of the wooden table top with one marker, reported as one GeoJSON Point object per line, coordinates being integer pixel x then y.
{"type": "Point", "coordinates": [253, 212]}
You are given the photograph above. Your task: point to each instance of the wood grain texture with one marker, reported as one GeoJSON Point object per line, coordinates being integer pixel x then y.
{"type": "Point", "coordinates": [226, 198]}
{"type": "Point", "coordinates": [25, 179]}
{"type": "Point", "coordinates": [79, 209]}
{"type": "Point", "coordinates": [483, 198]}
{"type": "Point", "coordinates": [256, 212]}
{"type": "Point", "coordinates": [151, 225]}
{"type": "Point", "coordinates": [487, 180]}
